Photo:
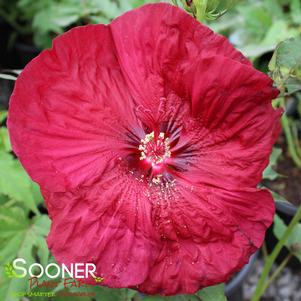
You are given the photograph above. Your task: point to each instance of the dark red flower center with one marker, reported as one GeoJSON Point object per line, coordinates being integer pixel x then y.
{"type": "Point", "coordinates": [155, 149]}
{"type": "Point", "coordinates": [154, 152]}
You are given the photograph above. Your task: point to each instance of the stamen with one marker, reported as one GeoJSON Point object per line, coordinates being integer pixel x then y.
{"type": "Point", "coordinates": [155, 150]}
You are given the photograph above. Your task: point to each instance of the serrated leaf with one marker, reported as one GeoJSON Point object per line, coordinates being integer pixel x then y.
{"type": "Point", "coordinates": [213, 293]}
{"type": "Point", "coordinates": [14, 182]}
{"type": "Point", "coordinates": [19, 237]}
{"type": "Point", "coordinates": [293, 242]}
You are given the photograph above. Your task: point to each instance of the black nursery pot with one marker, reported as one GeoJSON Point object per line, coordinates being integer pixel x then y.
{"type": "Point", "coordinates": [26, 53]}
{"type": "Point", "coordinates": [291, 109]}
{"type": "Point", "coordinates": [234, 288]}
{"type": "Point", "coordinates": [286, 209]}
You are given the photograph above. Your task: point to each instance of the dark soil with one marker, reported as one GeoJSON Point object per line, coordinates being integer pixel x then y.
{"type": "Point", "coordinates": [288, 184]}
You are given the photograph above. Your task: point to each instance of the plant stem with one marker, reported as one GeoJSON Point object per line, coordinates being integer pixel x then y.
{"type": "Point", "coordinates": [289, 137]}
{"type": "Point", "coordinates": [278, 271]}
{"type": "Point", "coordinates": [264, 250]}
{"type": "Point", "coordinates": [261, 285]}
{"type": "Point", "coordinates": [296, 138]}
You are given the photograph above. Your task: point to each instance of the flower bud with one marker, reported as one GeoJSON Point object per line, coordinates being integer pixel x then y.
{"type": "Point", "coordinates": [207, 9]}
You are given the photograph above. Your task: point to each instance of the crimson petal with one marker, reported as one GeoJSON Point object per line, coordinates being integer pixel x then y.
{"type": "Point", "coordinates": [69, 110]}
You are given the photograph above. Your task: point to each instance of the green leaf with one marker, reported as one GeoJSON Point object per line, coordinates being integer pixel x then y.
{"type": "Point", "coordinates": [106, 8]}
{"type": "Point", "coordinates": [3, 199]}
{"type": "Point", "coordinates": [109, 294]}
{"type": "Point", "coordinates": [3, 115]}
{"type": "Point", "coordinates": [287, 55]}
{"type": "Point", "coordinates": [48, 21]}
{"type": "Point", "coordinates": [277, 197]}
{"type": "Point", "coordinates": [227, 23]}
{"type": "Point", "coordinates": [256, 50]}
{"type": "Point", "coordinates": [296, 11]}
{"type": "Point", "coordinates": [14, 182]}
{"type": "Point", "coordinates": [278, 32]}
{"type": "Point", "coordinates": [293, 85]}
{"type": "Point", "coordinates": [8, 286]}
{"type": "Point", "coordinates": [274, 8]}
{"type": "Point", "coordinates": [269, 173]}
{"type": "Point", "coordinates": [257, 20]}
{"type": "Point", "coordinates": [36, 193]}
{"type": "Point", "coordinates": [293, 242]}
{"type": "Point", "coordinates": [286, 65]}
{"type": "Point", "coordinates": [4, 140]}
{"type": "Point", "coordinates": [19, 237]}
{"type": "Point", "coordinates": [173, 298]}
{"type": "Point", "coordinates": [64, 298]}
{"type": "Point", "coordinates": [213, 293]}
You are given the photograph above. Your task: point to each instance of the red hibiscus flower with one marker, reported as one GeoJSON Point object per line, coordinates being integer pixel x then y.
{"type": "Point", "coordinates": [148, 138]}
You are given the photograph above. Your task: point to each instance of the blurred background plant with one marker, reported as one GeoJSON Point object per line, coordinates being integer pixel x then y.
{"type": "Point", "coordinates": [39, 21]}
{"type": "Point", "coordinates": [206, 10]}
{"type": "Point", "coordinates": [267, 31]}
{"type": "Point", "coordinates": [31, 25]}
{"type": "Point", "coordinates": [256, 27]}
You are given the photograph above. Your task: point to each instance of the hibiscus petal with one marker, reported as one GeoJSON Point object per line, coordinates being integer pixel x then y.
{"type": "Point", "coordinates": [235, 124]}
{"type": "Point", "coordinates": [199, 238]}
{"type": "Point", "coordinates": [195, 263]}
{"type": "Point", "coordinates": [115, 234]}
{"type": "Point", "coordinates": [156, 43]}
{"type": "Point", "coordinates": [85, 120]}
{"type": "Point", "coordinates": [69, 109]}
